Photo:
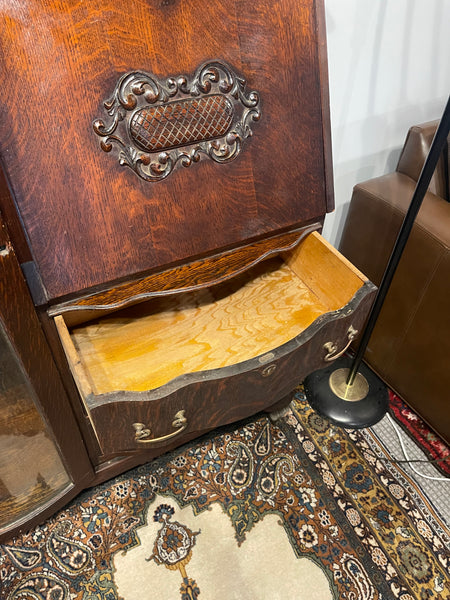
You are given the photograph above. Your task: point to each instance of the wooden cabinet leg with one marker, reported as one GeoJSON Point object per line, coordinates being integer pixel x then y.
{"type": "Point", "coordinates": [280, 408]}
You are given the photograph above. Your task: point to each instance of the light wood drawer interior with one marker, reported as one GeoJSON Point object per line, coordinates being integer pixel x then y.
{"type": "Point", "coordinates": [145, 346]}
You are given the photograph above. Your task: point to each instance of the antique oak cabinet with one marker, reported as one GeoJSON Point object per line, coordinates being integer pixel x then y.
{"type": "Point", "coordinates": [166, 169]}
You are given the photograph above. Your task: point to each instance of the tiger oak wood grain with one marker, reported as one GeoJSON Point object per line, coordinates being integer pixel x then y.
{"type": "Point", "coordinates": [146, 346]}
{"type": "Point", "coordinates": [188, 277]}
{"type": "Point", "coordinates": [90, 221]}
{"type": "Point", "coordinates": [102, 241]}
{"type": "Point", "coordinates": [206, 397]}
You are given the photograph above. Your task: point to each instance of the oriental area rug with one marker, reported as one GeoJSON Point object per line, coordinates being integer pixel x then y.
{"type": "Point", "coordinates": [291, 509]}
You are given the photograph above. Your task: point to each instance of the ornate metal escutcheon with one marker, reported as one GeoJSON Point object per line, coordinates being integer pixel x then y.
{"type": "Point", "coordinates": [332, 348]}
{"type": "Point", "coordinates": [155, 125]}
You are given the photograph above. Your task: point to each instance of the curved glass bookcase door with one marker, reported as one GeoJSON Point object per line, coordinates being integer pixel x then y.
{"type": "Point", "coordinates": [31, 470]}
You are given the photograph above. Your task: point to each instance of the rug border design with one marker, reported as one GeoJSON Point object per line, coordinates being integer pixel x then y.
{"type": "Point", "coordinates": [401, 582]}
{"type": "Point", "coordinates": [329, 493]}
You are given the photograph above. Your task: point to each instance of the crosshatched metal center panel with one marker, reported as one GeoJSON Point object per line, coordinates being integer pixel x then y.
{"type": "Point", "coordinates": [181, 123]}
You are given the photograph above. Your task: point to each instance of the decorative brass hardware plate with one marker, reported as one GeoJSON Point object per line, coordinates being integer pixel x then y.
{"type": "Point", "coordinates": [331, 347]}
{"type": "Point", "coordinates": [156, 125]}
{"type": "Point", "coordinates": [268, 371]}
{"type": "Point", "coordinates": [142, 432]}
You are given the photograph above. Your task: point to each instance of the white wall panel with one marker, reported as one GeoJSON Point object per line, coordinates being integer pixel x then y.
{"type": "Point", "coordinates": [389, 68]}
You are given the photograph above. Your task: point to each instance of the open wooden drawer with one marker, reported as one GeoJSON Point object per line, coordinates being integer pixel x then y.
{"type": "Point", "coordinates": [158, 372]}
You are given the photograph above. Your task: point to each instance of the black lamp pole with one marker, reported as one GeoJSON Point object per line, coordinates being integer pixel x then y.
{"type": "Point", "coordinates": [335, 391]}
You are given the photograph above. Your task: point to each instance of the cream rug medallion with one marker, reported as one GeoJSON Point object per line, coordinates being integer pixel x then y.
{"type": "Point", "coordinates": [287, 510]}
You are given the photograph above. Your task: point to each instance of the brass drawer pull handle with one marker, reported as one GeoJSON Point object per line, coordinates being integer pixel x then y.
{"type": "Point", "coordinates": [143, 432]}
{"type": "Point", "coordinates": [267, 372]}
{"type": "Point", "coordinates": [331, 347]}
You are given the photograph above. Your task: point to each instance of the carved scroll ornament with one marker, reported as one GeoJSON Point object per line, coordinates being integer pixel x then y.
{"type": "Point", "coordinates": [155, 126]}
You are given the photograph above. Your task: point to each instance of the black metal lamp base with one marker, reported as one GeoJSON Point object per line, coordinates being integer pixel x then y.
{"type": "Point", "coordinates": [366, 401]}
{"type": "Point", "coordinates": [362, 404]}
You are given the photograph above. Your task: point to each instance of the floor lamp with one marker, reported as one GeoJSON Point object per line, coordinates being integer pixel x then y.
{"type": "Point", "coordinates": [348, 393]}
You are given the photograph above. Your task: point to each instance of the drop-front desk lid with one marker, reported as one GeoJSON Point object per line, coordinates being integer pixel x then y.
{"type": "Point", "coordinates": [137, 135]}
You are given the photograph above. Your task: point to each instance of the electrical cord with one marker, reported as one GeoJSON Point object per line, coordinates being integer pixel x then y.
{"type": "Point", "coordinates": [408, 460]}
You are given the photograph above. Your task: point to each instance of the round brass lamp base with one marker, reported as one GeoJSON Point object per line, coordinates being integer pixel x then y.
{"type": "Point", "coordinates": [352, 393]}
{"type": "Point", "coordinates": [360, 405]}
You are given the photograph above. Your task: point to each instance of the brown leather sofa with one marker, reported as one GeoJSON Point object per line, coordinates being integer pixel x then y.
{"type": "Point", "coordinates": [410, 346]}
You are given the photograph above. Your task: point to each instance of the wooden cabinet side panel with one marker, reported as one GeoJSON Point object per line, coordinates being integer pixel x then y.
{"type": "Point", "coordinates": [22, 327]}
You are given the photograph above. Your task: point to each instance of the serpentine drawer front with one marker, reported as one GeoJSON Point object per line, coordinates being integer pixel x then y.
{"type": "Point", "coordinates": [165, 169]}
{"type": "Point", "coordinates": [158, 371]}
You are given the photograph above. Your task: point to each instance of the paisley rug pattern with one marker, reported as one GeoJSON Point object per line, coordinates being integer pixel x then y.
{"type": "Point", "coordinates": [333, 493]}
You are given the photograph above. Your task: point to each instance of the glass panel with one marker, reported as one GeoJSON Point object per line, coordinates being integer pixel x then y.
{"type": "Point", "coordinates": [31, 471]}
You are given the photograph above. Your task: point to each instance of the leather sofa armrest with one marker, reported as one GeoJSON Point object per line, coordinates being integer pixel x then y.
{"type": "Point", "coordinates": [413, 155]}
{"type": "Point", "coordinates": [410, 345]}
{"type": "Point", "coordinates": [376, 212]}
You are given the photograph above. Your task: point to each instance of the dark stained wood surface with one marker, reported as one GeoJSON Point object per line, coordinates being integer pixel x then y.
{"type": "Point", "coordinates": [89, 220]}
{"type": "Point", "coordinates": [254, 384]}
{"type": "Point", "coordinates": [325, 98]}
{"type": "Point", "coordinates": [21, 325]}
{"type": "Point", "coordinates": [12, 222]}
{"type": "Point", "coordinates": [188, 277]}
{"type": "Point", "coordinates": [92, 231]}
